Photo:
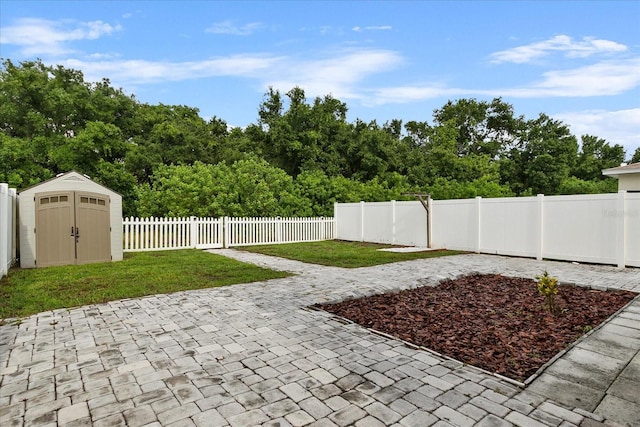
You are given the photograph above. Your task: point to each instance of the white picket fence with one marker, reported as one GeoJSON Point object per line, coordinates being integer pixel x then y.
{"type": "Point", "coordinates": [149, 234]}
{"type": "Point", "coordinates": [258, 231]}
{"type": "Point", "coordinates": [153, 234]}
{"type": "Point", "coordinates": [8, 204]}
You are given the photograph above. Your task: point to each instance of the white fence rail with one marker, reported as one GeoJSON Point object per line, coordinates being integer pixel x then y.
{"type": "Point", "coordinates": [149, 234]}
{"type": "Point", "coordinates": [8, 205]}
{"type": "Point", "coordinates": [600, 228]}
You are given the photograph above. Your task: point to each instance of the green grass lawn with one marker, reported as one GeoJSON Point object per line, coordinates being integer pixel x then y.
{"type": "Point", "coordinates": [28, 291]}
{"type": "Point", "coordinates": [340, 253]}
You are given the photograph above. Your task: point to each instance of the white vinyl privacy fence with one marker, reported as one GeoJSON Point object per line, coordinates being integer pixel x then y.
{"type": "Point", "coordinates": [148, 234]}
{"type": "Point", "coordinates": [600, 228]}
{"type": "Point", "coordinates": [8, 204]}
{"type": "Point", "coordinates": [399, 223]}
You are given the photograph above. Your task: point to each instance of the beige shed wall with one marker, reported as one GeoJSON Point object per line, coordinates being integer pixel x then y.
{"type": "Point", "coordinates": [71, 181]}
{"type": "Point", "coordinates": [629, 182]}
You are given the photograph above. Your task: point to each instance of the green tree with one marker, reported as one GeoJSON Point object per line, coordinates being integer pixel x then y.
{"type": "Point", "coordinates": [237, 145]}
{"type": "Point", "coordinates": [185, 190]}
{"type": "Point", "coordinates": [322, 191]}
{"type": "Point", "coordinates": [20, 161]}
{"type": "Point", "coordinates": [172, 134]}
{"type": "Point", "coordinates": [38, 100]}
{"type": "Point", "coordinates": [546, 154]}
{"type": "Point", "coordinates": [315, 186]}
{"type": "Point", "coordinates": [249, 187]}
{"type": "Point", "coordinates": [438, 147]}
{"type": "Point", "coordinates": [259, 189]}
{"type": "Point", "coordinates": [442, 189]}
{"type": "Point", "coordinates": [107, 104]}
{"type": "Point", "coordinates": [595, 155]}
{"type": "Point", "coordinates": [484, 128]}
{"type": "Point", "coordinates": [52, 121]}
{"type": "Point", "coordinates": [115, 177]}
{"type": "Point", "coordinates": [573, 185]}
{"type": "Point", "coordinates": [372, 152]}
{"type": "Point", "coordinates": [304, 136]}
{"type": "Point", "coordinates": [96, 142]}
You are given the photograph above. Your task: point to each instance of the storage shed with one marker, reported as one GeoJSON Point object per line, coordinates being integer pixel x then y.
{"type": "Point", "coordinates": [628, 176]}
{"type": "Point", "coordinates": [69, 219]}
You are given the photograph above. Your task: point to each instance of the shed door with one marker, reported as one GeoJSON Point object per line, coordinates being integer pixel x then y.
{"type": "Point", "coordinates": [55, 226]}
{"type": "Point", "coordinates": [93, 242]}
{"type": "Point", "coordinates": [72, 228]}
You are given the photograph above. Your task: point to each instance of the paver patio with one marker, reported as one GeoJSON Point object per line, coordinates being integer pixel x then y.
{"type": "Point", "coordinates": [253, 354]}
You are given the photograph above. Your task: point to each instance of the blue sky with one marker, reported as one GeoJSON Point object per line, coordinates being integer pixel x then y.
{"type": "Point", "coordinates": [577, 61]}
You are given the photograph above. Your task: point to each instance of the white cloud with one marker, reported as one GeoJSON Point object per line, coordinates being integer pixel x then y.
{"type": "Point", "coordinates": [601, 79]}
{"type": "Point", "coordinates": [40, 36]}
{"type": "Point", "coordinates": [327, 29]}
{"type": "Point", "coordinates": [141, 71]}
{"type": "Point", "coordinates": [95, 29]}
{"type": "Point", "coordinates": [405, 94]}
{"type": "Point", "coordinates": [372, 28]}
{"type": "Point", "coordinates": [574, 49]}
{"type": "Point", "coordinates": [102, 56]}
{"type": "Point", "coordinates": [338, 75]}
{"type": "Point", "coordinates": [228, 27]}
{"type": "Point", "coordinates": [616, 127]}
{"type": "Point", "coordinates": [323, 30]}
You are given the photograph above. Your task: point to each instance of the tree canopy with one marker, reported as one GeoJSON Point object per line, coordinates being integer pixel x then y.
{"type": "Point", "coordinates": [298, 158]}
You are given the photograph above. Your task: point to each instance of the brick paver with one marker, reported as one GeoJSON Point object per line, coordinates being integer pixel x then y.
{"type": "Point", "coordinates": [255, 354]}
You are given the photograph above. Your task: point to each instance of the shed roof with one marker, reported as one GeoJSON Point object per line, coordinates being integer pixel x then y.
{"type": "Point", "coordinates": [70, 176]}
{"type": "Point", "coordinates": [622, 170]}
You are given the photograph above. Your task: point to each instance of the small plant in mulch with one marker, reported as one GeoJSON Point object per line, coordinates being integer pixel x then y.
{"type": "Point", "coordinates": [548, 288]}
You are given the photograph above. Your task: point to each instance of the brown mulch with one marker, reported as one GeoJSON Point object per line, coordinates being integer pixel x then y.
{"type": "Point", "coordinates": [493, 322]}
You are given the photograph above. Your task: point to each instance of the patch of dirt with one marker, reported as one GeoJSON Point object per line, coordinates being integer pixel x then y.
{"type": "Point", "coordinates": [493, 322]}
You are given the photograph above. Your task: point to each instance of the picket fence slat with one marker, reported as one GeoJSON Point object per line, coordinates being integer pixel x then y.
{"type": "Point", "coordinates": [155, 234]}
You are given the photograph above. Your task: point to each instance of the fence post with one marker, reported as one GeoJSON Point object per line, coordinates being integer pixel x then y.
{"type": "Point", "coordinates": [429, 222]}
{"type": "Point", "coordinates": [13, 212]}
{"type": "Point", "coordinates": [620, 228]}
{"type": "Point", "coordinates": [226, 232]}
{"type": "Point", "coordinates": [278, 229]}
{"type": "Point", "coordinates": [335, 219]}
{"type": "Point", "coordinates": [334, 229]}
{"type": "Point", "coordinates": [193, 232]}
{"type": "Point", "coordinates": [124, 234]}
{"type": "Point", "coordinates": [540, 226]}
{"type": "Point", "coordinates": [478, 223]}
{"type": "Point", "coordinates": [393, 222]}
{"type": "Point", "coordinates": [5, 204]}
{"type": "Point", "coordinates": [362, 221]}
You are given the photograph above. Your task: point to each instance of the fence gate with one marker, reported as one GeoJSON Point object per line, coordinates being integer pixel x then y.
{"type": "Point", "coordinates": [72, 228]}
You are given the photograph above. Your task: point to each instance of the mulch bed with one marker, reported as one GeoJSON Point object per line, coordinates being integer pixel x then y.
{"type": "Point", "coordinates": [493, 322]}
